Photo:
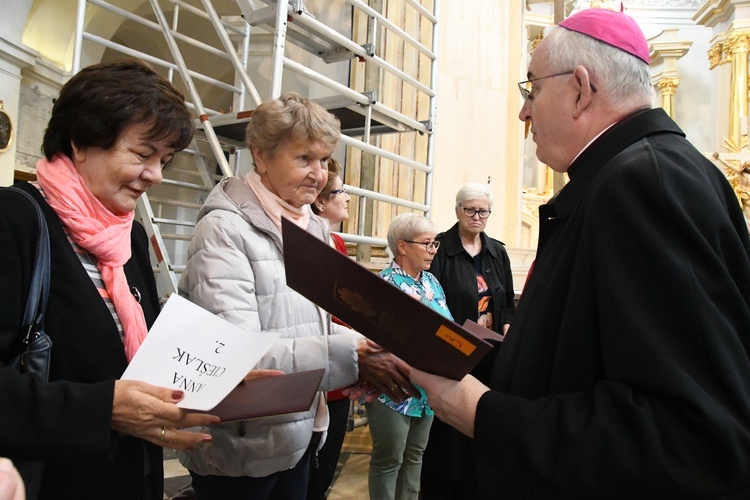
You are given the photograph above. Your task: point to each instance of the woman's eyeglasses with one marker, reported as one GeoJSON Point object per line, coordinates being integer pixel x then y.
{"type": "Point", "coordinates": [334, 192]}
{"type": "Point", "coordinates": [428, 245]}
{"type": "Point", "coordinates": [471, 212]}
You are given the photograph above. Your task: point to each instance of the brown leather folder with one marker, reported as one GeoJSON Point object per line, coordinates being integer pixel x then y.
{"type": "Point", "coordinates": [482, 332]}
{"type": "Point", "coordinates": [262, 397]}
{"type": "Point", "coordinates": [378, 310]}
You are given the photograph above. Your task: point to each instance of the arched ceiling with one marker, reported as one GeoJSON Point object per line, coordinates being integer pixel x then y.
{"type": "Point", "coordinates": [50, 26]}
{"type": "Point", "coordinates": [50, 29]}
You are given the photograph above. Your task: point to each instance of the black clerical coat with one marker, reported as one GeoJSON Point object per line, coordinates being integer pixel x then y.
{"type": "Point", "coordinates": [67, 422]}
{"type": "Point", "coordinates": [626, 372]}
{"type": "Point", "coordinates": [448, 452]}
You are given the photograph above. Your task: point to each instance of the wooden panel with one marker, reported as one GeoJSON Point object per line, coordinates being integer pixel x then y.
{"type": "Point", "coordinates": [383, 175]}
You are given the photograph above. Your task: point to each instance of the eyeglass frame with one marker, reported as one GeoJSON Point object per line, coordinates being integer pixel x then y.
{"type": "Point", "coordinates": [476, 212]}
{"type": "Point", "coordinates": [434, 244]}
{"type": "Point", "coordinates": [526, 93]}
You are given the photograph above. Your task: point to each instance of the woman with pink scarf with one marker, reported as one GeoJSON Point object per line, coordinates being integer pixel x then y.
{"type": "Point", "coordinates": [113, 128]}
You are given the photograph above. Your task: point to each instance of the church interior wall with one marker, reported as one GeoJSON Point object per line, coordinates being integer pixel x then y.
{"type": "Point", "coordinates": [481, 58]}
{"type": "Point", "coordinates": [696, 99]}
{"type": "Point", "coordinates": [473, 108]}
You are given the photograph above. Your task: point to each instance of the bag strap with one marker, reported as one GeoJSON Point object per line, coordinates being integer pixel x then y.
{"type": "Point", "coordinates": [36, 303]}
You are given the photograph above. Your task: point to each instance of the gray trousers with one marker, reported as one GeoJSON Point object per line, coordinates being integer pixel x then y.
{"type": "Point", "coordinates": [398, 442]}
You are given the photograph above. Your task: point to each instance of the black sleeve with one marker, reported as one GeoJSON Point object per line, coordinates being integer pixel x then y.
{"type": "Point", "coordinates": [39, 420]}
{"type": "Point", "coordinates": [141, 275]}
{"type": "Point", "coordinates": [438, 262]}
{"type": "Point", "coordinates": [510, 293]}
{"type": "Point", "coordinates": [670, 415]}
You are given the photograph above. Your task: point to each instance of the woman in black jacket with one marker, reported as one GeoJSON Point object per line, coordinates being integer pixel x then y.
{"type": "Point", "coordinates": [112, 129]}
{"type": "Point", "coordinates": [475, 273]}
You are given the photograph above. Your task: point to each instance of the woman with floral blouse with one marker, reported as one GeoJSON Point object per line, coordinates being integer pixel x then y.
{"type": "Point", "coordinates": [400, 430]}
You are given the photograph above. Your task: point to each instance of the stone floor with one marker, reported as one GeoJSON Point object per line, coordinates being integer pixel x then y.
{"type": "Point", "coordinates": [350, 481]}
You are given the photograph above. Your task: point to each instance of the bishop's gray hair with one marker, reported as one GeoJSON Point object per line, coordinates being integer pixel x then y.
{"type": "Point", "coordinates": [625, 77]}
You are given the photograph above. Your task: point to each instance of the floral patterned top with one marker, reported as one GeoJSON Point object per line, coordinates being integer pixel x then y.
{"type": "Point", "coordinates": [426, 289]}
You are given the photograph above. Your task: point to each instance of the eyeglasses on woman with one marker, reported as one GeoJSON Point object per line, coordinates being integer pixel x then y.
{"type": "Point", "coordinates": [471, 212]}
{"type": "Point", "coordinates": [428, 245]}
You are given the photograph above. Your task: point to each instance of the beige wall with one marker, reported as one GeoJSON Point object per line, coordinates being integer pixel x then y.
{"type": "Point", "coordinates": [476, 125]}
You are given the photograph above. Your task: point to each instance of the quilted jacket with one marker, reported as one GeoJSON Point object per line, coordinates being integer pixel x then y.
{"type": "Point", "coordinates": [235, 269]}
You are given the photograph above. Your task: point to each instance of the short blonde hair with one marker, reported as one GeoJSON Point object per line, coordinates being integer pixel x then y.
{"type": "Point", "coordinates": [407, 227]}
{"type": "Point", "coordinates": [294, 117]}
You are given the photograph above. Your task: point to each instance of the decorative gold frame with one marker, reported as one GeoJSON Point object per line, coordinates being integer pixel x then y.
{"type": "Point", "coordinates": [6, 130]}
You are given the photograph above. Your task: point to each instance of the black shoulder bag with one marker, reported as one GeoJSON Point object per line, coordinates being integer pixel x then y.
{"type": "Point", "coordinates": [35, 357]}
{"type": "Point", "coordinates": [37, 346]}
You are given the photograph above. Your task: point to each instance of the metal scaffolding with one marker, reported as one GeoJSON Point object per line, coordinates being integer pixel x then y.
{"type": "Point", "coordinates": [233, 55]}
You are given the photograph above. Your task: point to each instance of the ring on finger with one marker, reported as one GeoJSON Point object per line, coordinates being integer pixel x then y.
{"type": "Point", "coordinates": [163, 430]}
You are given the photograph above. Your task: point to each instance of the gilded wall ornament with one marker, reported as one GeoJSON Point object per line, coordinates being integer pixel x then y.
{"type": "Point", "coordinates": [738, 42]}
{"type": "Point", "coordinates": [715, 54]}
{"type": "Point", "coordinates": [737, 171]}
{"type": "Point", "coordinates": [631, 4]}
{"type": "Point", "coordinates": [6, 130]}
{"type": "Point", "coordinates": [668, 86]}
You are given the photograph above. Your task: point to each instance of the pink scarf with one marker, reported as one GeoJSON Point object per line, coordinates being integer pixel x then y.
{"type": "Point", "coordinates": [274, 206]}
{"type": "Point", "coordinates": [101, 233]}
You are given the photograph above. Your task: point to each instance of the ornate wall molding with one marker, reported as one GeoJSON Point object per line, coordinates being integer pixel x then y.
{"type": "Point", "coordinates": [630, 4]}
{"type": "Point", "coordinates": [533, 43]}
{"type": "Point", "coordinates": [738, 41]}
{"type": "Point", "coordinates": [734, 42]}
{"type": "Point", "coordinates": [716, 55]}
{"type": "Point", "coordinates": [677, 4]}
{"type": "Point", "coordinates": [668, 86]}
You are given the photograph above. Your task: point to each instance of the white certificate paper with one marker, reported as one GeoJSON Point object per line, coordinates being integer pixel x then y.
{"type": "Point", "coordinates": [191, 349]}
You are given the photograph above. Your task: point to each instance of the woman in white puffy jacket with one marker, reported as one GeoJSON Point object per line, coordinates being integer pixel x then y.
{"type": "Point", "coordinates": [235, 269]}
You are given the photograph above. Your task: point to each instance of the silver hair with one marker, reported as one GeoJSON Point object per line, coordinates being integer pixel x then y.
{"type": "Point", "coordinates": [408, 226]}
{"type": "Point", "coordinates": [625, 77]}
{"type": "Point", "coordinates": [474, 191]}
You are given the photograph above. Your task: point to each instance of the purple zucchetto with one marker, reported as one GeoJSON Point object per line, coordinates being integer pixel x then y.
{"type": "Point", "coordinates": [613, 28]}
